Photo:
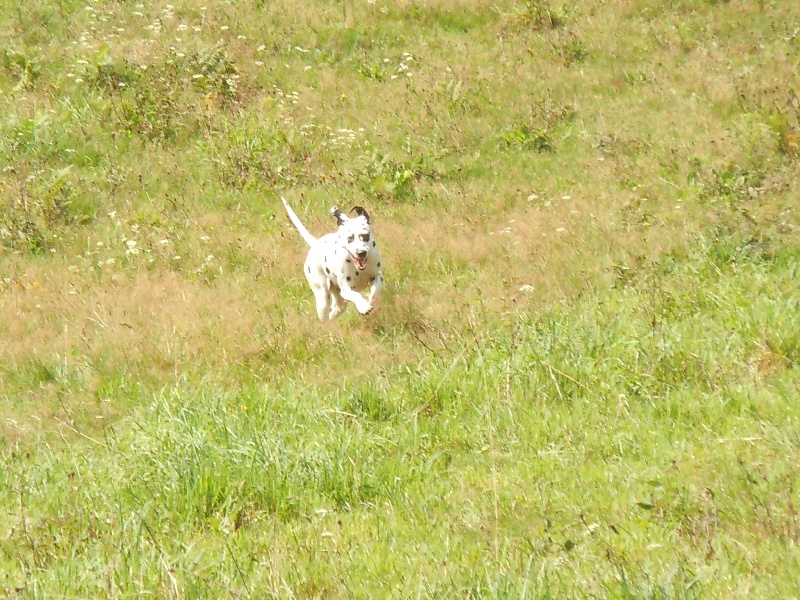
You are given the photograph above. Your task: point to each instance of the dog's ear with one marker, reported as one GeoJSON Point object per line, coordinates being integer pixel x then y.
{"type": "Point", "coordinates": [359, 210]}
{"type": "Point", "coordinates": [340, 216]}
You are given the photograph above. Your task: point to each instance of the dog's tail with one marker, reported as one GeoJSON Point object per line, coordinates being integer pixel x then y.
{"type": "Point", "coordinates": [310, 239]}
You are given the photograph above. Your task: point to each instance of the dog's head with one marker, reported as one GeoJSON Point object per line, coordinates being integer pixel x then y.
{"type": "Point", "coordinates": [355, 235]}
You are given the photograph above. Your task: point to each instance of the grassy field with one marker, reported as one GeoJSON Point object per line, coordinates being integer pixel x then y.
{"type": "Point", "coordinates": [582, 379]}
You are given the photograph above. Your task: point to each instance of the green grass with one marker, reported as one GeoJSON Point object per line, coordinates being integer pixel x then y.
{"type": "Point", "coordinates": [636, 443]}
{"type": "Point", "coordinates": [582, 380]}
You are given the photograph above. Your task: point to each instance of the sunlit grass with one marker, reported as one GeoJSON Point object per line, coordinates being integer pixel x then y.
{"type": "Point", "coordinates": [581, 380]}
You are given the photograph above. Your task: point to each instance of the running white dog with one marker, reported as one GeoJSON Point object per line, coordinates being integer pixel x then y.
{"type": "Point", "coordinates": [341, 264]}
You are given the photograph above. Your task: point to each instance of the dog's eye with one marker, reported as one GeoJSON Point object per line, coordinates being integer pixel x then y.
{"type": "Point", "coordinates": [365, 237]}
{"type": "Point", "coordinates": [350, 239]}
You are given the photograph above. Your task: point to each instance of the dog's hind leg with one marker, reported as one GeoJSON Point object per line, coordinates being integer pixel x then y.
{"type": "Point", "coordinates": [377, 283]}
{"type": "Point", "coordinates": [338, 304]}
{"type": "Point", "coordinates": [323, 300]}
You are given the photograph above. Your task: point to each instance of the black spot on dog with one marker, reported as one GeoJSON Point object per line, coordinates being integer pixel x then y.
{"type": "Point", "coordinates": [374, 244]}
{"type": "Point", "coordinates": [348, 278]}
{"type": "Point", "coordinates": [347, 260]}
{"type": "Point", "coordinates": [308, 270]}
{"type": "Point", "coordinates": [327, 270]}
{"type": "Point", "coordinates": [379, 265]}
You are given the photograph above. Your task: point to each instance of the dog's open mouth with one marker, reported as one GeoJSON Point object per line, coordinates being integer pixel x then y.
{"type": "Point", "coordinates": [360, 263]}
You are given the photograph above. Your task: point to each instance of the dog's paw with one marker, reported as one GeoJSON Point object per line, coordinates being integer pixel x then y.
{"type": "Point", "coordinates": [365, 308]}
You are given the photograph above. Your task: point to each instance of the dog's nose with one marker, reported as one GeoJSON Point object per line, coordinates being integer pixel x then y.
{"type": "Point", "coordinates": [361, 253]}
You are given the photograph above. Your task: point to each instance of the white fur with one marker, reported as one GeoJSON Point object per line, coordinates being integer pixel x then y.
{"type": "Point", "coordinates": [341, 264]}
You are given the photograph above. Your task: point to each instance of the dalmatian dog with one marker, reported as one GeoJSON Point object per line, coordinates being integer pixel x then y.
{"type": "Point", "coordinates": [340, 265]}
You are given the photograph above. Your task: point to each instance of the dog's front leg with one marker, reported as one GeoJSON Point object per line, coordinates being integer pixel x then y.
{"type": "Point", "coordinates": [362, 305]}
